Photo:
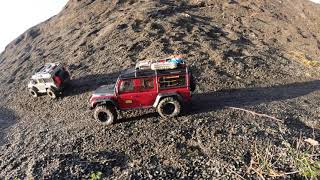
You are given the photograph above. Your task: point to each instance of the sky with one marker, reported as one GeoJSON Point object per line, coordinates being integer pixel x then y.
{"type": "Point", "coordinates": [16, 16]}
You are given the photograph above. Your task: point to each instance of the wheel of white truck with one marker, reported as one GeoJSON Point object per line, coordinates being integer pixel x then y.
{"type": "Point", "coordinates": [105, 115]}
{"type": "Point", "coordinates": [33, 93]}
{"type": "Point", "coordinates": [51, 93]}
{"type": "Point", "coordinates": [169, 107]}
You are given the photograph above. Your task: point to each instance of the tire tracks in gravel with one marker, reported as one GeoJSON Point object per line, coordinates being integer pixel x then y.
{"type": "Point", "coordinates": [39, 126]}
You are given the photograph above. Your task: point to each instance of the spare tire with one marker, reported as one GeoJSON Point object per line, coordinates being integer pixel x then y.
{"type": "Point", "coordinates": [192, 83]}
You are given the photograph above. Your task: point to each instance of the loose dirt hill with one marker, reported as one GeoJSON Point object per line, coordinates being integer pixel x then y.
{"type": "Point", "coordinates": [256, 55]}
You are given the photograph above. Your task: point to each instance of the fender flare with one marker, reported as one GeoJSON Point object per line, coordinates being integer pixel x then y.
{"type": "Point", "coordinates": [164, 95]}
{"type": "Point", "coordinates": [33, 88]}
{"type": "Point", "coordinates": [53, 88]}
{"type": "Point", "coordinates": [106, 101]}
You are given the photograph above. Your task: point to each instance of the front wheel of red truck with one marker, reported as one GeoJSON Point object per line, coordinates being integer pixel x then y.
{"type": "Point", "coordinates": [169, 107]}
{"type": "Point", "coordinates": [105, 115]}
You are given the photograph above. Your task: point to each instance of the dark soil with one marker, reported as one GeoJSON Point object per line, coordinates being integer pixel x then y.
{"type": "Point", "coordinates": [256, 55]}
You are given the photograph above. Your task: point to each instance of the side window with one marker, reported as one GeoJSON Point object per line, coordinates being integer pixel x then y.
{"type": "Point", "coordinates": [47, 80]}
{"type": "Point", "coordinates": [146, 84]}
{"type": "Point", "coordinates": [172, 81]}
{"type": "Point", "coordinates": [126, 86]}
{"type": "Point", "coordinates": [40, 81]}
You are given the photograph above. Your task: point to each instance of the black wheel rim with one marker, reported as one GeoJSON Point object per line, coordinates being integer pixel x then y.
{"type": "Point", "coordinates": [51, 94]}
{"type": "Point", "coordinates": [32, 93]}
{"type": "Point", "coordinates": [103, 116]}
{"type": "Point", "coordinates": [168, 108]}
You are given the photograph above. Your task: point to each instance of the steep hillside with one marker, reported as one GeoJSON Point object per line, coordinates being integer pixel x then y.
{"type": "Point", "coordinates": [256, 55]}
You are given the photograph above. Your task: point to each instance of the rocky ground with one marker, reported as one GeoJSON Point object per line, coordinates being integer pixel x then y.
{"type": "Point", "coordinates": [261, 56]}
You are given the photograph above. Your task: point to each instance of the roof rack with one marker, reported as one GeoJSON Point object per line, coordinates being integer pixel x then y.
{"type": "Point", "coordinates": [47, 68]}
{"type": "Point", "coordinates": [137, 73]}
{"type": "Point", "coordinates": [45, 71]}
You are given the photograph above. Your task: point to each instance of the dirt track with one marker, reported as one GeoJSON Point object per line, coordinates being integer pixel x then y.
{"type": "Point", "coordinates": [209, 139]}
{"type": "Point", "coordinates": [236, 61]}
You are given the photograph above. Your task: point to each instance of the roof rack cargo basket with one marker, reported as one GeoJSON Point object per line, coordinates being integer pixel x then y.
{"type": "Point", "coordinates": [161, 64]}
{"type": "Point", "coordinates": [164, 65]}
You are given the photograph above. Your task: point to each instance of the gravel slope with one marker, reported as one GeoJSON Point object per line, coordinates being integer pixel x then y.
{"type": "Point", "coordinates": [255, 55]}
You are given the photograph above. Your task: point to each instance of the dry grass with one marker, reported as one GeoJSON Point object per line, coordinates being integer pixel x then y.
{"type": "Point", "coordinates": [303, 159]}
{"type": "Point", "coordinates": [306, 162]}
{"type": "Point", "coordinates": [95, 175]}
{"type": "Point", "coordinates": [301, 58]}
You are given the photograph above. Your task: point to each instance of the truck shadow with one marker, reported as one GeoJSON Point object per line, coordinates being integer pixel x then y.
{"type": "Point", "coordinates": [213, 101]}
{"type": "Point", "coordinates": [210, 101]}
{"type": "Point", "coordinates": [89, 83]}
{"type": "Point", "coordinates": [7, 119]}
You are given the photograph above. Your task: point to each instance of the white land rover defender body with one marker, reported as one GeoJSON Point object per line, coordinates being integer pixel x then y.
{"type": "Point", "coordinates": [50, 78]}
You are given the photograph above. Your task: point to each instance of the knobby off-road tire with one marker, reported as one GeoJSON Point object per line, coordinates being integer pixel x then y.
{"type": "Point", "coordinates": [33, 93]}
{"type": "Point", "coordinates": [105, 115]}
{"type": "Point", "coordinates": [169, 107]}
{"type": "Point", "coordinates": [52, 93]}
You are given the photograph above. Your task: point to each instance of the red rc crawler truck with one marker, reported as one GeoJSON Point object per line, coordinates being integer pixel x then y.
{"type": "Point", "coordinates": [165, 85]}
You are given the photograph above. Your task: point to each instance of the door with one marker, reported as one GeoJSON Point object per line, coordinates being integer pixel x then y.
{"type": "Point", "coordinates": [147, 92]}
{"type": "Point", "coordinates": [127, 94]}
{"type": "Point", "coordinates": [41, 86]}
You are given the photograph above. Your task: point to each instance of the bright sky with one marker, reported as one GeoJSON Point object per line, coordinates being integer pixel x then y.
{"type": "Point", "coordinates": [16, 16]}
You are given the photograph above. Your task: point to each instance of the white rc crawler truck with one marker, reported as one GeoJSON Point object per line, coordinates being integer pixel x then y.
{"type": "Point", "coordinates": [50, 79]}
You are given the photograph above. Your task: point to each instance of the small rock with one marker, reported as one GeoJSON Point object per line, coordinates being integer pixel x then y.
{"type": "Point", "coordinates": [312, 142]}
{"type": "Point", "coordinates": [186, 15]}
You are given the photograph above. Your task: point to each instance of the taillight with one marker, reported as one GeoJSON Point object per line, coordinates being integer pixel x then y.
{"type": "Point", "coordinates": [57, 81]}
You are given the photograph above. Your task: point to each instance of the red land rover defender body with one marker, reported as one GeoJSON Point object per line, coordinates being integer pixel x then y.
{"type": "Point", "coordinates": [167, 90]}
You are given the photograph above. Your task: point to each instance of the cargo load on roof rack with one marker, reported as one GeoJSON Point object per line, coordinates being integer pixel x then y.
{"type": "Point", "coordinates": [161, 64]}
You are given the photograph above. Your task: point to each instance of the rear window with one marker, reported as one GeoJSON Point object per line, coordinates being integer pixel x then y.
{"type": "Point", "coordinates": [172, 81]}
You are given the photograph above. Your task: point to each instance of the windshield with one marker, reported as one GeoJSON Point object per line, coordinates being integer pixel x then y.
{"type": "Point", "coordinates": [33, 81]}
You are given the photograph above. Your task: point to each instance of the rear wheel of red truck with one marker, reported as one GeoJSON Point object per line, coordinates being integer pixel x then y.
{"type": "Point", "coordinates": [169, 107]}
{"type": "Point", "coordinates": [105, 115]}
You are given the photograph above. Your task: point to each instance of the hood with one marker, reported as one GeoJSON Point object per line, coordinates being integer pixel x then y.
{"type": "Point", "coordinates": [31, 83]}
{"type": "Point", "coordinates": [105, 90]}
